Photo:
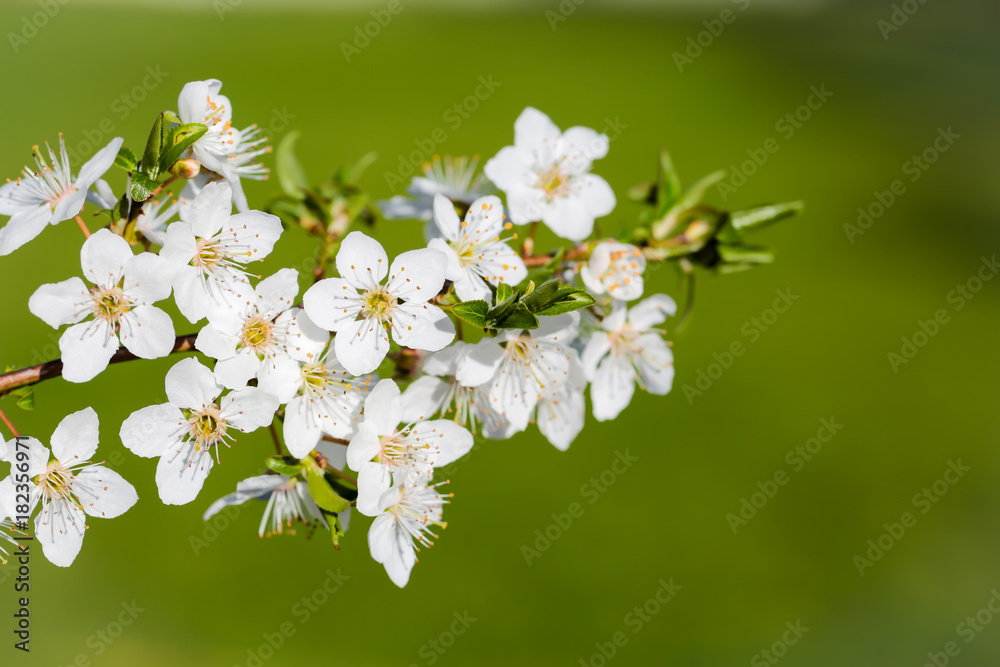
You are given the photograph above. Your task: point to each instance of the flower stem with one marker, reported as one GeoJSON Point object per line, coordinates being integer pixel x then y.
{"type": "Point", "coordinates": [10, 426]}
{"type": "Point", "coordinates": [277, 441]}
{"type": "Point", "coordinates": [83, 226]}
{"type": "Point", "coordinates": [50, 369]}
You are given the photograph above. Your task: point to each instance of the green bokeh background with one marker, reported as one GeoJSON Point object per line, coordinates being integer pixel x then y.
{"type": "Point", "coordinates": [666, 516]}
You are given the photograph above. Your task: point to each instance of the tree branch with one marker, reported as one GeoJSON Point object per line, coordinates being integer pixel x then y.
{"type": "Point", "coordinates": [50, 369]}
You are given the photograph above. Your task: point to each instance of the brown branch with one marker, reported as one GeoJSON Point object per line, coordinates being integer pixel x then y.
{"type": "Point", "coordinates": [34, 374]}
{"type": "Point", "coordinates": [579, 252]}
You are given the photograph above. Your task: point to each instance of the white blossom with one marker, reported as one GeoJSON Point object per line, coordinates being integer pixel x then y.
{"type": "Point", "coordinates": [288, 502]}
{"type": "Point", "coordinates": [125, 287]}
{"type": "Point", "coordinates": [455, 178]}
{"type": "Point", "coordinates": [383, 454]}
{"type": "Point", "coordinates": [407, 515]}
{"type": "Point", "coordinates": [187, 432]}
{"type": "Point", "coordinates": [545, 175]}
{"type": "Point", "coordinates": [48, 195]}
{"type": "Point", "coordinates": [616, 269]}
{"type": "Point", "coordinates": [627, 351]}
{"type": "Point", "coordinates": [68, 487]}
{"type": "Point", "coordinates": [476, 253]}
{"type": "Point", "coordinates": [210, 249]}
{"type": "Point", "coordinates": [363, 311]}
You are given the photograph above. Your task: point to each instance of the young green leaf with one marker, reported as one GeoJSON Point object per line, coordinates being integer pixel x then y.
{"type": "Point", "coordinates": [178, 141]}
{"type": "Point", "coordinates": [126, 159]}
{"type": "Point", "coordinates": [291, 176]}
{"type": "Point", "coordinates": [517, 318]}
{"type": "Point", "coordinates": [154, 146]}
{"type": "Point", "coordinates": [285, 465]}
{"type": "Point", "coordinates": [541, 297]}
{"type": "Point", "coordinates": [473, 312]}
{"type": "Point", "coordinates": [566, 300]}
{"type": "Point", "coordinates": [756, 218]}
{"type": "Point", "coordinates": [142, 186]}
{"type": "Point", "coordinates": [323, 493]}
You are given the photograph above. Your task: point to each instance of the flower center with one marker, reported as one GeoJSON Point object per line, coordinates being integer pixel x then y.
{"type": "Point", "coordinates": [109, 304]}
{"type": "Point", "coordinates": [207, 427]}
{"type": "Point", "coordinates": [208, 254]}
{"type": "Point", "coordinates": [258, 334]}
{"type": "Point", "coordinates": [378, 303]}
{"type": "Point", "coordinates": [554, 182]}
{"type": "Point", "coordinates": [56, 482]}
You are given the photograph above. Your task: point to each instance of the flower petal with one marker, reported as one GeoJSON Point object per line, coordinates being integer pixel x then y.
{"type": "Point", "coordinates": [361, 261]}
{"type": "Point", "coordinates": [362, 345]}
{"type": "Point", "coordinates": [191, 385]}
{"type": "Point", "coordinates": [103, 258]}
{"type": "Point", "coordinates": [147, 332]}
{"type": "Point", "coordinates": [248, 409]}
{"type": "Point", "coordinates": [61, 303]}
{"type": "Point", "coordinates": [60, 528]}
{"type": "Point", "coordinates": [332, 303]}
{"type": "Point", "coordinates": [420, 326]}
{"type": "Point", "coordinates": [86, 349]}
{"type": "Point", "coordinates": [103, 492]}
{"type": "Point", "coordinates": [152, 430]}
{"type": "Point", "coordinates": [75, 438]}
{"type": "Point", "coordinates": [383, 407]}
{"type": "Point", "coordinates": [373, 481]}
{"type": "Point", "coordinates": [417, 275]}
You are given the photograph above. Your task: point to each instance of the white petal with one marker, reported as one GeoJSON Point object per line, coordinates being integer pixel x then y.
{"type": "Point", "coordinates": [423, 398]}
{"type": "Point", "coordinates": [86, 349]}
{"type": "Point", "coordinates": [448, 441]}
{"type": "Point", "coordinates": [453, 268]}
{"type": "Point", "coordinates": [533, 130]}
{"type": "Point", "coordinates": [383, 407]}
{"type": "Point", "coordinates": [277, 293]}
{"type": "Point", "coordinates": [147, 332]}
{"type": "Point", "coordinates": [612, 388]}
{"type": "Point", "coordinates": [301, 429]}
{"type": "Point", "coordinates": [581, 146]}
{"type": "Point", "coordinates": [362, 345]}
{"type": "Point", "coordinates": [470, 286]}
{"type": "Point", "coordinates": [373, 481]}
{"type": "Point", "coordinates": [209, 211]}
{"type": "Point", "coordinates": [253, 232]}
{"type": "Point", "coordinates": [508, 169]}
{"type": "Point", "coordinates": [656, 364]}
{"type": "Point", "coordinates": [332, 303]}
{"type": "Point", "coordinates": [598, 346]}
{"type": "Point", "coordinates": [191, 385]}
{"type": "Point", "coordinates": [280, 376]}
{"type": "Point", "coordinates": [595, 194]}
{"type": "Point", "coordinates": [148, 278]}
{"type": "Point", "coordinates": [98, 165]}
{"type": "Point", "coordinates": [249, 408]}
{"type": "Point", "coordinates": [75, 438]}
{"type": "Point", "coordinates": [446, 217]}
{"type": "Point", "coordinates": [417, 275]}
{"type": "Point", "coordinates": [38, 454]}
{"type": "Point", "coordinates": [213, 343]}
{"type": "Point", "coordinates": [391, 548]}
{"type": "Point", "coordinates": [561, 420]}
{"type": "Point", "coordinates": [237, 370]}
{"type": "Point", "coordinates": [299, 337]}
{"type": "Point", "coordinates": [361, 261]}
{"type": "Point", "coordinates": [62, 303]}
{"type": "Point", "coordinates": [152, 430]}
{"type": "Point", "coordinates": [480, 363]}
{"type": "Point", "coordinates": [103, 492]}
{"type": "Point", "coordinates": [420, 326]}
{"type": "Point", "coordinates": [181, 474]}
{"type": "Point", "coordinates": [103, 257]}
{"type": "Point", "coordinates": [23, 227]}
{"type": "Point", "coordinates": [651, 311]}
{"type": "Point", "coordinates": [179, 245]}
{"type": "Point", "coordinates": [60, 528]}
{"type": "Point", "coordinates": [569, 218]}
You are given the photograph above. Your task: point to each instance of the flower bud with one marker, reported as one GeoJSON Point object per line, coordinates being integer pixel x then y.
{"type": "Point", "coordinates": [186, 168]}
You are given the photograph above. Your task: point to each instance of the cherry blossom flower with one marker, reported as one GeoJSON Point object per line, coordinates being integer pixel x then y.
{"type": "Point", "coordinates": [615, 269]}
{"type": "Point", "coordinates": [440, 392]}
{"type": "Point", "coordinates": [363, 311]}
{"type": "Point", "coordinates": [223, 149]}
{"type": "Point", "coordinates": [383, 455]}
{"type": "Point", "coordinates": [125, 287]}
{"type": "Point", "coordinates": [322, 397]}
{"type": "Point", "coordinates": [455, 178]}
{"type": "Point", "coordinates": [211, 247]}
{"type": "Point", "coordinates": [476, 254]}
{"type": "Point", "coordinates": [48, 195]}
{"type": "Point", "coordinates": [187, 432]}
{"type": "Point", "coordinates": [288, 503]}
{"type": "Point", "coordinates": [407, 514]}
{"type": "Point", "coordinates": [67, 487]}
{"type": "Point", "coordinates": [545, 175]}
{"type": "Point", "coordinates": [628, 351]}
{"type": "Point", "coordinates": [264, 333]}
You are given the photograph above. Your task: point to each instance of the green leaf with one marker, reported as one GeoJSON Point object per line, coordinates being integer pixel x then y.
{"type": "Point", "coordinates": [517, 318]}
{"type": "Point", "coordinates": [504, 292]}
{"type": "Point", "coordinates": [473, 312]}
{"type": "Point", "coordinates": [323, 493]}
{"type": "Point", "coordinates": [351, 175]}
{"type": "Point", "coordinates": [336, 529]}
{"type": "Point", "coordinates": [154, 146]}
{"type": "Point", "coordinates": [26, 397]}
{"type": "Point", "coordinates": [542, 296]}
{"type": "Point", "coordinates": [566, 300]}
{"type": "Point", "coordinates": [172, 117]}
{"type": "Point", "coordinates": [126, 159]}
{"type": "Point", "coordinates": [756, 218]}
{"type": "Point", "coordinates": [142, 186]}
{"type": "Point", "coordinates": [284, 465]}
{"type": "Point", "coordinates": [741, 254]}
{"type": "Point", "coordinates": [291, 176]}
{"type": "Point", "coordinates": [668, 184]}
{"type": "Point", "coordinates": [178, 141]}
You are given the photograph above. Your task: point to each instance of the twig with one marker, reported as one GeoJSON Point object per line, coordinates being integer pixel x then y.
{"type": "Point", "coordinates": [10, 426]}
{"type": "Point", "coordinates": [83, 226]}
{"type": "Point", "coordinates": [274, 434]}
{"type": "Point", "coordinates": [34, 374]}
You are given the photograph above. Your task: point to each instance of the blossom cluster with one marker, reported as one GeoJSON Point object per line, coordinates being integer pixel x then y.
{"type": "Point", "coordinates": [374, 378]}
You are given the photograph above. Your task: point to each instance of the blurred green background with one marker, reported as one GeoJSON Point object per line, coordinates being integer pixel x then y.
{"type": "Point", "coordinates": [698, 456]}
